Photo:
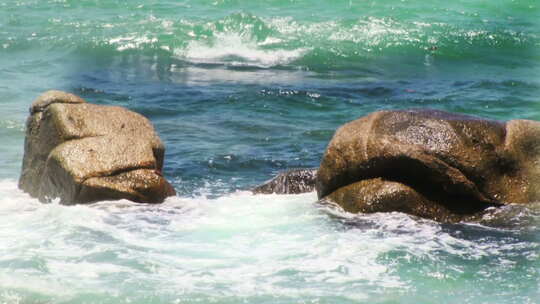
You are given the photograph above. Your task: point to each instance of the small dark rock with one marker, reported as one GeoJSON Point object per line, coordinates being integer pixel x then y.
{"type": "Point", "coordinates": [290, 182]}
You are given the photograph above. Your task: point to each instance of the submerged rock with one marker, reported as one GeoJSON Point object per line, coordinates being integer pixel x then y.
{"type": "Point", "coordinates": [81, 153]}
{"type": "Point", "coordinates": [289, 182]}
{"type": "Point", "coordinates": [432, 164]}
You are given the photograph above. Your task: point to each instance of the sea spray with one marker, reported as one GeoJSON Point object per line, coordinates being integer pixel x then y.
{"type": "Point", "coordinates": [245, 247]}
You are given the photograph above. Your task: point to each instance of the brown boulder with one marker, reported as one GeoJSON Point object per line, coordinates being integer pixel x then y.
{"type": "Point", "coordinates": [82, 153]}
{"type": "Point", "coordinates": [432, 164]}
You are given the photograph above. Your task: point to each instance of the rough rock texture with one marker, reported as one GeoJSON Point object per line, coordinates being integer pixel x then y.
{"type": "Point", "coordinates": [290, 182]}
{"type": "Point", "coordinates": [432, 164]}
{"type": "Point", "coordinates": [82, 153]}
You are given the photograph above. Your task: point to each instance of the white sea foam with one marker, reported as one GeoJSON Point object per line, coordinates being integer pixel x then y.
{"type": "Point", "coordinates": [237, 246]}
{"type": "Point", "coordinates": [234, 49]}
{"type": "Point", "coordinates": [123, 43]}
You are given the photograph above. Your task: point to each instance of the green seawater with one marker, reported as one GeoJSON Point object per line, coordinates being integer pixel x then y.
{"type": "Point", "coordinates": [238, 91]}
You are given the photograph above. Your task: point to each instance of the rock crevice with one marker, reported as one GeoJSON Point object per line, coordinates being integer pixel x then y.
{"type": "Point", "coordinates": [430, 163]}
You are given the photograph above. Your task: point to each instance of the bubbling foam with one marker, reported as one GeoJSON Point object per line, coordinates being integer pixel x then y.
{"type": "Point", "coordinates": [237, 246]}
{"type": "Point", "coordinates": [235, 50]}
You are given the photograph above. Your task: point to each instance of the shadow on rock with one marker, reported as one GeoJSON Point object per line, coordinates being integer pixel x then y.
{"type": "Point", "coordinates": [436, 165]}
{"type": "Point", "coordinates": [82, 153]}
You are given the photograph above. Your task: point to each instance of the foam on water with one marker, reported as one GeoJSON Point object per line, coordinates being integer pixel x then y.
{"type": "Point", "coordinates": [238, 247]}
{"type": "Point", "coordinates": [262, 40]}
{"type": "Point", "coordinates": [235, 50]}
{"type": "Point", "coordinates": [131, 42]}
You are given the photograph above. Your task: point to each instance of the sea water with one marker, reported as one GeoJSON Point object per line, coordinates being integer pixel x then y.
{"type": "Point", "coordinates": [240, 90]}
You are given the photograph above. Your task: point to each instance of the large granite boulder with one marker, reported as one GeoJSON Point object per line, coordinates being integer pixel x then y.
{"type": "Point", "coordinates": [294, 181]}
{"type": "Point", "coordinates": [82, 153]}
{"type": "Point", "coordinates": [432, 164]}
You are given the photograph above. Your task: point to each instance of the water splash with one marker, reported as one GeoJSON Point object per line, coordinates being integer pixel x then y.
{"type": "Point", "coordinates": [238, 246]}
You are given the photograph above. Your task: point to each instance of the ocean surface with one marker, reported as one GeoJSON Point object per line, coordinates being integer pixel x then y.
{"type": "Point", "coordinates": [240, 90]}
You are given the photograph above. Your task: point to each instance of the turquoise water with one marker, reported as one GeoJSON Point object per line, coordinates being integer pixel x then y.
{"type": "Point", "coordinates": [239, 90]}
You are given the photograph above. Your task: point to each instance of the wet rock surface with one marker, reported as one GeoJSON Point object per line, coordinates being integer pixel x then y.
{"type": "Point", "coordinates": [290, 182]}
{"type": "Point", "coordinates": [432, 164]}
{"type": "Point", "coordinates": [82, 153]}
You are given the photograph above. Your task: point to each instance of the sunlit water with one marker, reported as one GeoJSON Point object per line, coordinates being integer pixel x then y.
{"type": "Point", "coordinates": [238, 91]}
